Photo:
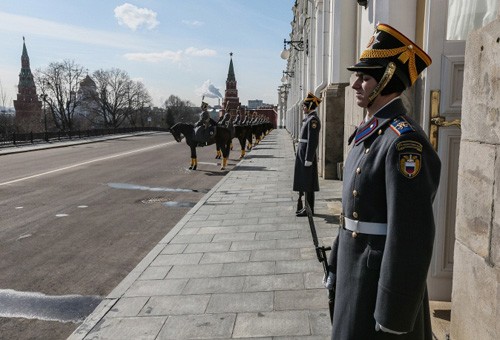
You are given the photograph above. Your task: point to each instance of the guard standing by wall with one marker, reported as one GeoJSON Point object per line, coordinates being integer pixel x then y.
{"type": "Point", "coordinates": [383, 251]}
{"type": "Point", "coordinates": [305, 179]}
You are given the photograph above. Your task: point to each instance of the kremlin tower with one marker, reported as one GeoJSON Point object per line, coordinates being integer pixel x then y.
{"type": "Point", "coordinates": [27, 105]}
{"type": "Point", "coordinates": [231, 100]}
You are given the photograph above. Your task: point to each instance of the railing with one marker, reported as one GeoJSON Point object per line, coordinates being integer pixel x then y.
{"type": "Point", "coordinates": [16, 139]}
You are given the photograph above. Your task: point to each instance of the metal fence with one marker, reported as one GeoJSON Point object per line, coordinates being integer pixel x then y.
{"type": "Point", "coordinates": [16, 139]}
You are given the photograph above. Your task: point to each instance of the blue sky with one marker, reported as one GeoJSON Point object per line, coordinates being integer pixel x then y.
{"type": "Point", "coordinates": [175, 47]}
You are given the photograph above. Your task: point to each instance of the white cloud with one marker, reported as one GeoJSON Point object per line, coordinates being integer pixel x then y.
{"type": "Point", "coordinates": [174, 56]}
{"type": "Point", "coordinates": [194, 23]}
{"type": "Point", "coordinates": [33, 26]}
{"type": "Point", "coordinates": [155, 56]}
{"type": "Point", "coordinates": [193, 51]}
{"type": "Point", "coordinates": [134, 17]}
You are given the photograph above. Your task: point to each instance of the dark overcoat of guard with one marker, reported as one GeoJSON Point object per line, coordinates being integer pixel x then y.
{"type": "Point", "coordinates": [391, 176]}
{"type": "Point", "coordinates": [383, 251]}
{"type": "Point", "coordinates": [306, 178]}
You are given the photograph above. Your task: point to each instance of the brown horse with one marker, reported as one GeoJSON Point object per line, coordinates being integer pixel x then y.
{"type": "Point", "coordinates": [222, 139]}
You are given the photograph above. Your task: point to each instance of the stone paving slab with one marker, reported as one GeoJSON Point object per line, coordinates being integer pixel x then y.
{"type": "Point", "coordinates": [175, 305]}
{"type": "Point", "coordinates": [277, 323]}
{"type": "Point", "coordinates": [200, 326]}
{"type": "Point", "coordinates": [128, 328]}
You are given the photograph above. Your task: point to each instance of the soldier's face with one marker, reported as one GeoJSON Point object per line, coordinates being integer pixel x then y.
{"type": "Point", "coordinates": [363, 85]}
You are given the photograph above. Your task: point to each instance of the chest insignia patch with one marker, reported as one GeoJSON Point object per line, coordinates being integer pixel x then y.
{"type": "Point", "coordinates": [410, 164]}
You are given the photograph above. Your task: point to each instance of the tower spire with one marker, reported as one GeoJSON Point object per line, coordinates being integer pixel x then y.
{"type": "Point", "coordinates": [230, 73]}
{"type": "Point", "coordinates": [27, 105]}
{"type": "Point", "coordinates": [231, 100]}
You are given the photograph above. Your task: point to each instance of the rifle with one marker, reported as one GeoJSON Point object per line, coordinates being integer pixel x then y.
{"type": "Point", "coordinates": [321, 255]}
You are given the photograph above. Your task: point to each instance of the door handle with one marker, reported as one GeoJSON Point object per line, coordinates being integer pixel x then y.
{"type": "Point", "coordinates": [442, 122]}
{"type": "Point", "coordinates": [438, 121]}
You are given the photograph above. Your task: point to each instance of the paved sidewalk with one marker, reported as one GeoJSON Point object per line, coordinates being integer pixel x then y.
{"type": "Point", "coordinates": [238, 265]}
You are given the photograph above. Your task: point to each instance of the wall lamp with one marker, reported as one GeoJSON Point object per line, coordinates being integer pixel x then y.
{"type": "Point", "coordinates": [287, 74]}
{"type": "Point", "coordinates": [296, 44]}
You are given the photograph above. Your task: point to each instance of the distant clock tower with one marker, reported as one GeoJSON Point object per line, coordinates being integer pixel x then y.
{"type": "Point", "coordinates": [27, 105]}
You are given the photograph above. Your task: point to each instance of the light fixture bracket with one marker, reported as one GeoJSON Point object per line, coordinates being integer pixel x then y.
{"type": "Point", "coordinates": [363, 3]}
{"type": "Point", "coordinates": [296, 44]}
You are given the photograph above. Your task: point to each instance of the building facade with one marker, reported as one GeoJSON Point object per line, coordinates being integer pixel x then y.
{"type": "Point", "coordinates": [462, 38]}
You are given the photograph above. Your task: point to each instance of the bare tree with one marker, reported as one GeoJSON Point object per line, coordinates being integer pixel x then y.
{"type": "Point", "coordinates": [179, 110]}
{"type": "Point", "coordinates": [140, 105]}
{"type": "Point", "coordinates": [59, 83]}
{"type": "Point", "coordinates": [119, 98]}
{"type": "Point", "coordinates": [6, 119]}
{"type": "Point", "coordinates": [3, 97]}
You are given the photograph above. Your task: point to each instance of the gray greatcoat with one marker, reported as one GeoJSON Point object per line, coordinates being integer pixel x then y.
{"type": "Point", "coordinates": [391, 176]}
{"type": "Point", "coordinates": [305, 179]}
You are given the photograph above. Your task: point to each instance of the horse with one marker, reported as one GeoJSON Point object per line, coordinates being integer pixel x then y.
{"type": "Point", "coordinates": [260, 130]}
{"type": "Point", "coordinates": [222, 139]}
{"type": "Point", "coordinates": [244, 134]}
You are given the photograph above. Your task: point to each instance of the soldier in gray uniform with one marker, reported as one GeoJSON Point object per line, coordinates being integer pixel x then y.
{"type": "Point", "coordinates": [381, 257]}
{"type": "Point", "coordinates": [225, 119]}
{"type": "Point", "coordinates": [237, 120]}
{"type": "Point", "coordinates": [305, 178]}
{"type": "Point", "coordinates": [205, 119]}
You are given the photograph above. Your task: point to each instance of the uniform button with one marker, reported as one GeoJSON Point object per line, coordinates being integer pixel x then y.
{"type": "Point", "coordinates": [367, 150]}
{"type": "Point", "coordinates": [355, 214]}
{"type": "Point", "coordinates": [380, 131]}
{"type": "Point", "coordinates": [355, 193]}
{"type": "Point", "coordinates": [358, 171]}
{"type": "Point", "coordinates": [354, 234]}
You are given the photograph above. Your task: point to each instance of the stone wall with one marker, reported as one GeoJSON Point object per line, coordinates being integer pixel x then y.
{"type": "Point", "coordinates": [332, 122]}
{"type": "Point", "coordinates": [476, 288]}
{"type": "Point", "coordinates": [353, 116]}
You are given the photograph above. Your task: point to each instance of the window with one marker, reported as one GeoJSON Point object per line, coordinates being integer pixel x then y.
{"type": "Point", "coordinates": [465, 16]}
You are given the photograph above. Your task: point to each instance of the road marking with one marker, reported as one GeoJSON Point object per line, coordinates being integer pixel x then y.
{"type": "Point", "coordinates": [87, 162]}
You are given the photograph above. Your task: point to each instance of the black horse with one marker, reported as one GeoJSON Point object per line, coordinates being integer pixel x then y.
{"type": "Point", "coordinates": [245, 136]}
{"type": "Point", "coordinates": [260, 130]}
{"type": "Point", "coordinates": [222, 139]}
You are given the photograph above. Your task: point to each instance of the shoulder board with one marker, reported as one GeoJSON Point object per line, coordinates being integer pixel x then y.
{"type": "Point", "coordinates": [401, 126]}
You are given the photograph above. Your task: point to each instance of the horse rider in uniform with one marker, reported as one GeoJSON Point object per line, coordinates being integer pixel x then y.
{"type": "Point", "coordinates": [225, 119]}
{"type": "Point", "coordinates": [381, 256]}
{"type": "Point", "coordinates": [237, 118]}
{"type": "Point", "coordinates": [305, 179]}
{"type": "Point", "coordinates": [205, 119]}
{"type": "Point", "coordinates": [201, 129]}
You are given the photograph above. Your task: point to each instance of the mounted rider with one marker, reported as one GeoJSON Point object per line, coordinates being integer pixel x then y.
{"type": "Point", "coordinates": [204, 128]}
{"type": "Point", "coordinates": [225, 119]}
{"type": "Point", "coordinates": [237, 118]}
{"type": "Point", "coordinates": [205, 119]}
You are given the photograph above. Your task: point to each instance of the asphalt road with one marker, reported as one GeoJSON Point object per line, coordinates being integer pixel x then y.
{"type": "Point", "coordinates": [75, 221]}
